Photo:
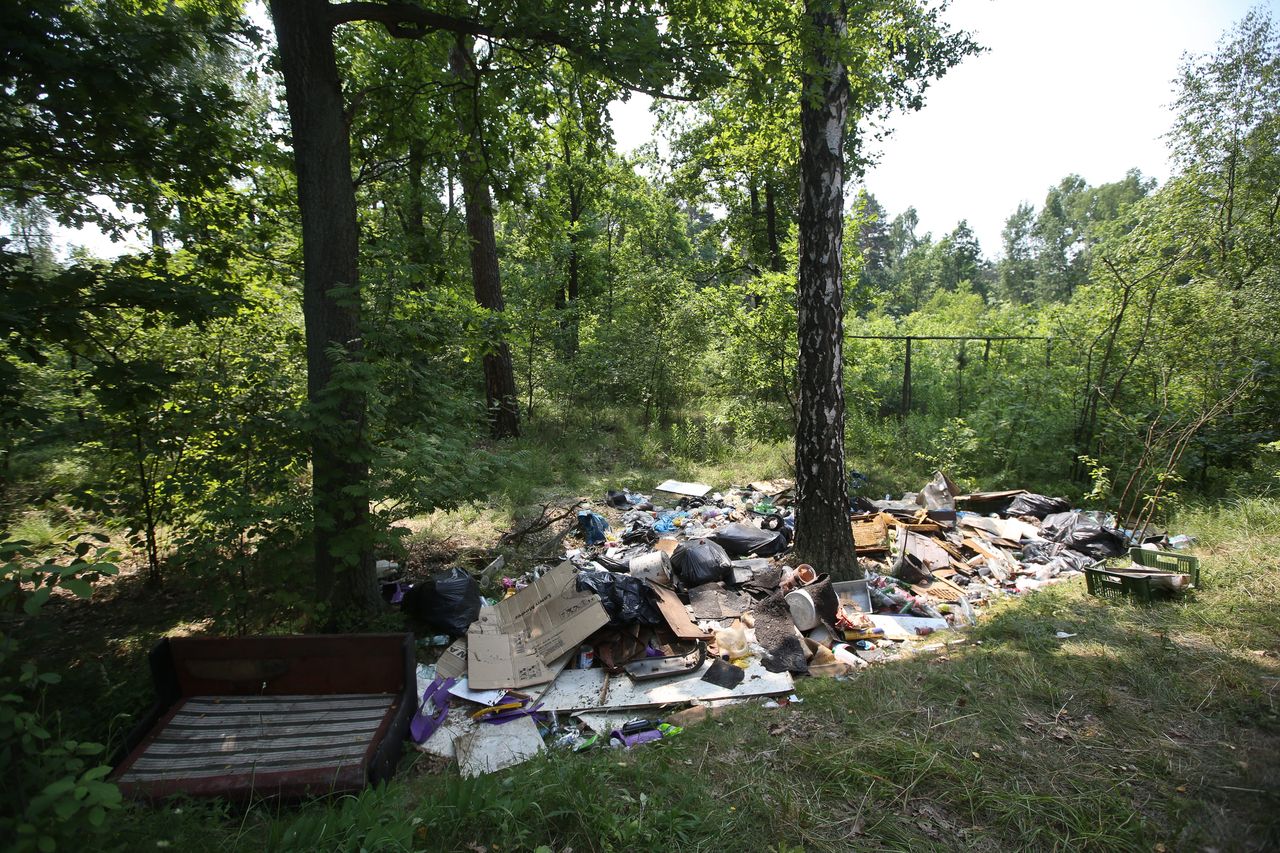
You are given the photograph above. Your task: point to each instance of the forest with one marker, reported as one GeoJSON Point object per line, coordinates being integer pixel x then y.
{"type": "Point", "coordinates": [393, 266]}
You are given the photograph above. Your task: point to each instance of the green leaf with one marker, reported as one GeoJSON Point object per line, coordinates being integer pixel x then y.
{"type": "Point", "coordinates": [81, 588]}
{"type": "Point", "coordinates": [37, 599]}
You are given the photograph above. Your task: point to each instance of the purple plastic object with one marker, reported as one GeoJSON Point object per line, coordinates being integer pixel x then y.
{"type": "Point", "coordinates": [635, 739]}
{"type": "Point", "coordinates": [508, 716]}
{"type": "Point", "coordinates": [398, 589]}
{"type": "Point", "coordinates": [425, 722]}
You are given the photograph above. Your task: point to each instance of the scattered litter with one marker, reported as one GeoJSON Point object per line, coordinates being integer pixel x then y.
{"type": "Point", "coordinates": [587, 689]}
{"type": "Point", "coordinates": [659, 616]}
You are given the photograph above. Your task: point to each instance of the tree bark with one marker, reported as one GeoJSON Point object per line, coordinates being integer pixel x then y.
{"type": "Point", "coordinates": [499, 375]}
{"type": "Point", "coordinates": [415, 211]}
{"type": "Point", "coordinates": [573, 273]}
{"type": "Point", "coordinates": [823, 535]}
{"type": "Point", "coordinates": [344, 570]}
{"type": "Point", "coordinates": [771, 226]}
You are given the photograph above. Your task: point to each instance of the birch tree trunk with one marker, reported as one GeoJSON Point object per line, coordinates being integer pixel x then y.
{"type": "Point", "coordinates": [823, 535]}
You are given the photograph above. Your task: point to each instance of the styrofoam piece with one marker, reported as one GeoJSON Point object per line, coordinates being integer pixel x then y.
{"type": "Point", "coordinates": [903, 627]}
{"type": "Point", "coordinates": [443, 741]}
{"type": "Point", "coordinates": [603, 722]}
{"type": "Point", "coordinates": [585, 689]}
{"type": "Point", "coordinates": [491, 748]}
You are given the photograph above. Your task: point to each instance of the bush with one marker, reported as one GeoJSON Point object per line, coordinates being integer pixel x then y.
{"type": "Point", "coordinates": [52, 789]}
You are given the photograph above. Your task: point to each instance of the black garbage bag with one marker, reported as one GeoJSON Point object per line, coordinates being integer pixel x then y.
{"type": "Point", "coordinates": [739, 540]}
{"type": "Point", "coordinates": [638, 527]}
{"type": "Point", "coordinates": [1037, 506]}
{"type": "Point", "coordinates": [700, 561]}
{"type": "Point", "coordinates": [1086, 533]}
{"type": "Point", "coordinates": [448, 602]}
{"type": "Point", "coordinates": [1040, 551]}
{"type": "Point", "coordinates": [1057, 556]}
{"type": "Point", "coordinates": [627, 600]}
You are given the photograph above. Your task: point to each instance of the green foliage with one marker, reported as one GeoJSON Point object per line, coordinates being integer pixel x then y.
{"type": "Point", "coordinates": [127, 100]}
{"type": "Point", "coordinates": [52, 787]}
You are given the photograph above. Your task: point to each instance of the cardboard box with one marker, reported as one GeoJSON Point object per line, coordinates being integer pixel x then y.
{"type": "Point", "coordinates": [516, 642]}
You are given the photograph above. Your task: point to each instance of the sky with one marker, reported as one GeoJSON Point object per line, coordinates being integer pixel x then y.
{"type": "Point", "coordinates": [1066, 86]}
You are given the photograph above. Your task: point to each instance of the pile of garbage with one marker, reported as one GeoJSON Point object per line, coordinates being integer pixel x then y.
{"type": "Point", "coordinates": [677, 603]}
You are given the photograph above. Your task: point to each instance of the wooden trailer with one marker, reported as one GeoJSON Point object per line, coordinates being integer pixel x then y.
{"type": "Point", "coordinates": [288, 717]}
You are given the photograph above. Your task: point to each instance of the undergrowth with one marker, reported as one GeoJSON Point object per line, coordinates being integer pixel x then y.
{"type": "Point", "coordinates": [1150, 726]}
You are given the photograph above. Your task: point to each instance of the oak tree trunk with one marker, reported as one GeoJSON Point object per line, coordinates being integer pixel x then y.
{"type": "Point", "coordinates": [499, 375]}
{"type": "Point", "coordinates": [344, 570]}
{"type": "Point", "coordinates": [823, 535]}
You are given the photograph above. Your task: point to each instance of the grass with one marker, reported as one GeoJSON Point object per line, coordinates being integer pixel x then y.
{"type": "Point", "coordinates": [1153, 728]}
{"type": "Point", "coordinates": [562, 461]}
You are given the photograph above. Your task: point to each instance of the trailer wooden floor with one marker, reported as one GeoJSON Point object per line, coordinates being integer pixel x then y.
{"type": "Point", "coordinates": [227, 738]}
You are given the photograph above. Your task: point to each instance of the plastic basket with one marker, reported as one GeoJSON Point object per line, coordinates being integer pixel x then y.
{"type": "Point", "coordinates": [1168, 561]}
{"type": "Point", "coordinates": [1102, 582]}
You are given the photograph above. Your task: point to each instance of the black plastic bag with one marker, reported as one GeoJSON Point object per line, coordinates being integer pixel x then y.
{"type": "Point", "coordinates": [627, 600]}
{"type": "Point", "coordinates": [1039, 551]}
{"type": "Point", "coordinates": [448, 602]}
{"type": "Point", "coordinates": [1085, 533]}
{"type": "Point", "coordinates": [1037, 506]}
{"type": "Point", "coordinates": [700, 561]}
{"type": "Point", "coordinates": [1057, 556]}
{"type": "Point", "coordinates": [739, 540]}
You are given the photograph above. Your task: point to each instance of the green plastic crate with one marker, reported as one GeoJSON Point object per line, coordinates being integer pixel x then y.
{"type": "Point", "coordinates": [1168, 561]}
{"type": "Point", "coordinates": [1103, 581]}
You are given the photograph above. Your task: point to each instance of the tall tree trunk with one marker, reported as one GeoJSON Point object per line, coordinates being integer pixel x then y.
{"type": "Point", "coordinates": [771, 226]}
{"type": "Point", "coordinates": [573, 276]}
{"type": "Point", "coordinates": [823, 536]}
{"type": "Point", "coordinates": [499, 375]}
{"type": "Point", "coordinates": [344, 571]}
{"type": "Point", "coordinates": [415, 223]}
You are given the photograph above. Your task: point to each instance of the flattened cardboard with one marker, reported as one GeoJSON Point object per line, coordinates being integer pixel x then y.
{"type": "Point", "coordinates": [675, 487]}
{"type": "Point", "coordinates": [677, 615]}
{"type": "Point", "coordinates": [926, 550]}
{"type": "Point", "coordinates": [453, 660]}
{"type": "Point", "coordinates": [939, 588]}
{"type": "Point", "coordinates": [871, 535]}
{"type": "Point", "coordinates": [667, 544]}
{"type": "Point", "coordinates": [773, 488]}
{"type": "Point", "coordinates": [515, 642]}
